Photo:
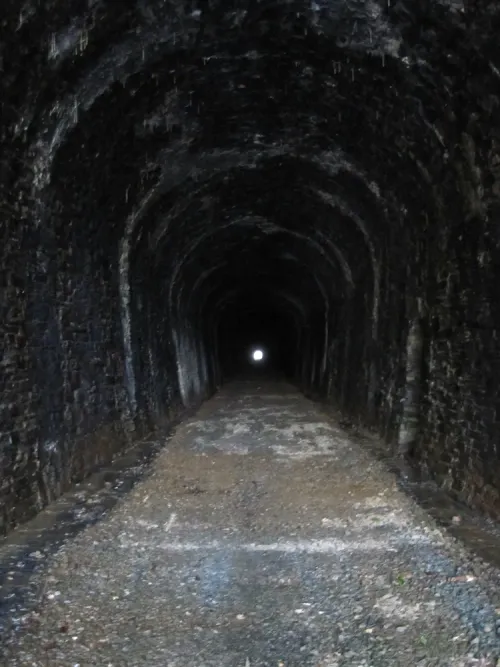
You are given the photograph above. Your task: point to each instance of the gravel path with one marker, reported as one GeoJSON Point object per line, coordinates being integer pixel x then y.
{"type": "Point", "coordinates": [264, 536]}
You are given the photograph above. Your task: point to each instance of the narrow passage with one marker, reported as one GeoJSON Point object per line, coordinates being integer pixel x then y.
{"type": "Point", "coordinates": [264, 536]}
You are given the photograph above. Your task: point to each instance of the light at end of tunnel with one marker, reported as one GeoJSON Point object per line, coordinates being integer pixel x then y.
{"type": "Point", "coordinates": [257, 355]}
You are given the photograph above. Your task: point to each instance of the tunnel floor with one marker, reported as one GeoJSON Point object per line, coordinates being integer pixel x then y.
{"type": "Point", "coordinates": [264, 536]}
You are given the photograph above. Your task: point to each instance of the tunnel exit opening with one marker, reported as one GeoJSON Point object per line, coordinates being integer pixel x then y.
{"type": "Point", "coordinates": [186, 185]}
{"type": "Point", "coordinates": [249, 318]}
{"type": "Point", "coordinates": [258, 355]}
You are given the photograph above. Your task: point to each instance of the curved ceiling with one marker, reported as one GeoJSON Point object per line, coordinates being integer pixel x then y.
{"type": "Point", "coordinates": [192, 134]}
{"type": "Point", "coordinates": [167, 164]}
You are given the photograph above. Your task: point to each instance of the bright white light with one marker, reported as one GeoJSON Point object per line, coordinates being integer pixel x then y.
{"type": "Point", "coordinates": [258, 355]}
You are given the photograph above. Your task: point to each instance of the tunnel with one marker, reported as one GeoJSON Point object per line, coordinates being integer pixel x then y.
{"type": "Point", "coordinates": [183, 181]}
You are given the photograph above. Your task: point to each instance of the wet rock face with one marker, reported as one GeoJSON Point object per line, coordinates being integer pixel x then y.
{"type": "Point", "coordinates": [161, 161]}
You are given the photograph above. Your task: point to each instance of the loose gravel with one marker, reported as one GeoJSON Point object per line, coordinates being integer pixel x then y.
{"type": "Point", "coordinates": [264, 536]}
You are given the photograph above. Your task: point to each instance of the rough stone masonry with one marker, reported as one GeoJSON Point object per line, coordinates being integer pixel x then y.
{"type": "Point", "coordinates": [170, 167]}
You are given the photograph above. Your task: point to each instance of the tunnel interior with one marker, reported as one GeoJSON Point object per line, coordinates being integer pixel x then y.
{"type": "Point", "coordinates": [182, 181]}
{"type": "Point", "coordinates": [251, 322]}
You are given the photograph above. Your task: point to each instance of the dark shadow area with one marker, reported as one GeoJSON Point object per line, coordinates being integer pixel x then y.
{"type": "Point", "coordinates": [184, 182]}
{"type": "Point", "coordinates": [252, 322]}
{"type": "Point", "coordinates": [180, 181]}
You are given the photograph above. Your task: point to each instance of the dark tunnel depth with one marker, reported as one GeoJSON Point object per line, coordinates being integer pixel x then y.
{"type": "Point", "coordinates": [183, 180]}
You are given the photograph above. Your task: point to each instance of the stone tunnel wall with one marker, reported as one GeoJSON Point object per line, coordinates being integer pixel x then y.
{"type": "Point", "coordinates": [434, 362]}
{"type": "Point", "coordinates": [159, 155]}
{"type": "Point", "coordinates": [66, 406]}
{"type": "Point", "coordinates": [460, 402]}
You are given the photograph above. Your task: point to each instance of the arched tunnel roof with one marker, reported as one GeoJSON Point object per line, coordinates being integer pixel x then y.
{"type": "Point", "coordinates": [184, 153]}
{"type": "Point", "coordinates": [164, 112]}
